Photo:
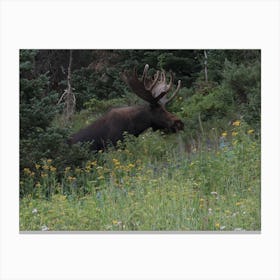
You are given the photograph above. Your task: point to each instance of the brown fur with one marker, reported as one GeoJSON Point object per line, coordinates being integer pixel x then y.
{"type": "Point", "coordinates": [134, 120]}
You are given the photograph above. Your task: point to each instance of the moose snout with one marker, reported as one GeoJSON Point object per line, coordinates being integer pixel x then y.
{"type": "Point", "coordinates": [177, 125]}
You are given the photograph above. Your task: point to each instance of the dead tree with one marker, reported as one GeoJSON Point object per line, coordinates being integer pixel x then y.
{"type": "Point", "coordinates": [205, 66]}
{"type": "Point", "coordinates": [68, 97]}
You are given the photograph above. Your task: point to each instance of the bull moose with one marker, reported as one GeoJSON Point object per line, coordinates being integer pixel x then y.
{"type": "Point", "coordinates": [134, 119]}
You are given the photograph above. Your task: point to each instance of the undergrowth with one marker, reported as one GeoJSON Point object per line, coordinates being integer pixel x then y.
{"type": "Point", "coordinates": [150, 183]}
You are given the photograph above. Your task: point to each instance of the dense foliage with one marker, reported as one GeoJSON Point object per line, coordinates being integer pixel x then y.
{"type": "Point", "coordinates": [213, 164]}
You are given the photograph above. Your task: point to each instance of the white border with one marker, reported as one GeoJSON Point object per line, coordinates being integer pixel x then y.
{"type": "Point", "coordinates": [135, 24]}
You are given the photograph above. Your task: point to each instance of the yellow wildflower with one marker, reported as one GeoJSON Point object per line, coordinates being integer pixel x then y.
{"type": "Point", "coordinates": [52, 169]}
{"type": "Point", "coordinates": [238, 203]}
{"type": "Point", "coordinates": [37, 166]}
{"type": "Point", "coordinates": [116, 162]}
{"type": "Point", "coordinates": [201, 200]}
{"type": "Point", "coordinates": [234, 133]}
{"type": "Point", "coordinates": [43, 175]}
{"type": "Point", "coordinates": [236, 123]}
{"type": "Point", "coordinates": [88, 167]}
{"type": "Point", "coordinates": [38, 184]}
{"type": "Point", "coordinates": [49, 161]}
{"type": "Point", "coordinates": [26, 171]}
{"type": "Point", "coordinates": [130, 166]}
{"type": "Point", "coordinates": [70, 178]}
{"type": "Point", "coordinates": [224, 134]}
{"type": "Point", "coordinates": [250, 131]}
{"type": "Point", "coordinates": [45, 167]}
{"type": "Point", "coordinates": [115, 222]}
{"type": "Point", "coordinates": [101, 177]}
{"type": "Point", "coordinates": [217, 225]}
{"type": "Point", "coordinates": [67, 169]}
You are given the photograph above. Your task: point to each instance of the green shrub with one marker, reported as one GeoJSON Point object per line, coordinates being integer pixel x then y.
{"type": "Point", "coordinates": [243, 82]}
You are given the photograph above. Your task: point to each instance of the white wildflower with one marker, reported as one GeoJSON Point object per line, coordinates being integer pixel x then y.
{"type": "Point", "coordinates": [44, 228]}
{"type": "Point", "coordinates": [238, 229]}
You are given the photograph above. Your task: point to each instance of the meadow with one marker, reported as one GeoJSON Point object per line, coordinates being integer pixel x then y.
{"type": "Point", "coordinates": [151, 183]}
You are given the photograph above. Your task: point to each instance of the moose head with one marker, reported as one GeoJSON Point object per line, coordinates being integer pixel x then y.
{"type": "Point", "coordinates": [135, 119]}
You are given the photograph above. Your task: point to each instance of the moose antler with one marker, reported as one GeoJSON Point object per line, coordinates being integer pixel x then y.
{"type": "Point", "coordinates": [153, 90]}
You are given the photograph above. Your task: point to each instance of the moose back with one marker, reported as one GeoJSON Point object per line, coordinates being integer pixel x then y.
{"type": "Point", "coordinates": [134, 119]}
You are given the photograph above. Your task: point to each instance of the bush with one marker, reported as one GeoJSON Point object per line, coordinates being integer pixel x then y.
{"type": "Point", "coordinates": [243, 83]}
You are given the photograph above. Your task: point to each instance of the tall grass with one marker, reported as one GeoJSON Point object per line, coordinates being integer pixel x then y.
{"type": "Point", "coordinates": [151, 183]}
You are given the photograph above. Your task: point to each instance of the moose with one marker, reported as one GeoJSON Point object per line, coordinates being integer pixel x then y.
{"type": "Point", "coordinates": [110, 128]}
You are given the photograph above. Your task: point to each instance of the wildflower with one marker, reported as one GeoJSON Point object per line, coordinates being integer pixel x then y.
{"type": "Point", "coordinates": [201, 200]}
{"type": "Point", "coordinates": [52, 169]}
{"type": "Point", "coordinates": [44, 228]}
{"type": "Point", "coordinates": [49, 161]}
{"type": "Point", "coordinates": [224, 134]}
{"type": "Point", "coordinates": [26, 171]}
{"type": "Point", "coordinates": [43, 175]}
{"type": "Point", "coordinates": [46, 167]}
{"type": "Point", "coordinates": [32, 174]}
{"type": "Point", "coordinates": [238, 203]}
{"type": "Point", "coordinates": [38, 184]}
{"type": "Point", "coordinates": [101, 177]}
{"type": "Point", "coordinates": [67, 169]}
{"type": "Point", "coordinates": [238, 229]}
{"type": "Point", "coordinates": [88, 167]}
{"type": "Point", "coordinates": [236, 123]}
{"type": "Point", "coordinates": [234, 133]}
{"type": "Point", "coordinates": [209, 211]}
{"type": "Point", "coordinates": [94, 163]}
{"type": "Point", "coordinates": [34, 211]}
{"type": "Point", "coordinates": [217, 225]}
{"type": "Point", "coordinates": [116, 162]}
{"type": "Point", "coordinates": [70, 178]}
{"type": "Point", "coordinates": [250, 131]}
{"type": "Point", "coordinates": [37, 166]}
